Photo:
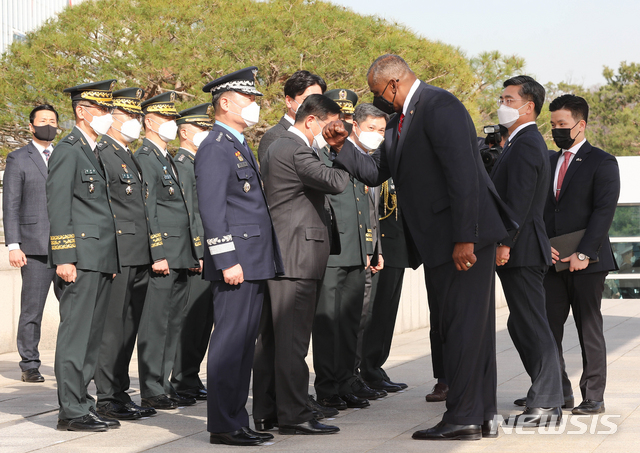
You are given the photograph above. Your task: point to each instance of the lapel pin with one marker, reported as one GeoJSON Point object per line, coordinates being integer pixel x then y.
{"type": "Point", "coordinates": [411, 112]}
{"type": "Point", "coordinates": [579, 159]}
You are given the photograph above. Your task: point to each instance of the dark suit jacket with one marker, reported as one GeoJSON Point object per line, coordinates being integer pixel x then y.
{"type": "Point", "coordinates": [271, 136]}
{"type": "Point", "coordinates": [444, 192]}
{"type": "Point", "coordinates": [521, 177]}
{"type": "Point", "coordinates": [24, 201]}
{"type": "Point", "coordinates": [588, 200]}
{"type": "Point", "coordinates": [83, 227]}
{"type": "Point", "coordinates": [295, 182]}
{"type": "Point", "coordinates": [236, 219]}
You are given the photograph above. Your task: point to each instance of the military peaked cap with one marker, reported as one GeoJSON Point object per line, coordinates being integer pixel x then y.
{"type": "Point", "coordinates": [346, 99]}
{"type": "Point", "coordinates": [128, 99]}
{"type": "Point", "coordinates": [242, 81]}
{"type": "Point", "coordinates": [96, 92]}
{"type": "Point", "coordinates": [162, 104]}
{"type": "Point", "coordinates": [200, 115]}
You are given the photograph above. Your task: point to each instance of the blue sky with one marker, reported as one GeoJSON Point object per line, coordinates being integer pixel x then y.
{"type": "Point", "coordinates": [560, 40]}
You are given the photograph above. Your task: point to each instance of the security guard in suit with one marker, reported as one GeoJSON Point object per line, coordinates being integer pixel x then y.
{"type": "Point", "coordinates": [82, 248]}
{"type": "Point", "coordinates": [337, 319]}
{"type": "Point", "coordinates": [194, 125]}
{"type": "Point", "coordinates": [173, 250]}
{"type": "Point", "coordinates": [129, 288]}
{"type": "Point", "coordinates": [241, 253]}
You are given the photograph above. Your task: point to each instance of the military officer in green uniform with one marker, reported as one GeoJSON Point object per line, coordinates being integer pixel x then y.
{"type": "Point", "coordinates": [173, 250]}
{"type": "Point", "coordinates": [194, 125]}
{"type": "Point", "coordinates": [129, 288]}
{"type": "Point", "coordinates": [337, 319]}
{"type": "Point", "coordinates": [82, 248]}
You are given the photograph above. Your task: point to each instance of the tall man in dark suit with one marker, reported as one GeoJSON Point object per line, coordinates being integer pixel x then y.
{"type": "Point", "coordinates": [83, 249]}
{"type": "Point", "coordinates": [296, 181]}
{"type": "Point", "coordinates": [26, 229]}
{"type": "Point", "coordinates": [173, 250]}
{"type": "Point", "coordinates": [521, 177]}
{"type": "Point", "coordinates": [128, 202]}
{"type": "Point", "coordinates": [241, 254]}
{"type": "Point", "coordinates": [582, 195]}
{"type": "Point", "coordinates": [453, 217]}
{"type": "Point", "coordinates": [194, 125]}
{"type": "Point", "coordinates": [296, 89]}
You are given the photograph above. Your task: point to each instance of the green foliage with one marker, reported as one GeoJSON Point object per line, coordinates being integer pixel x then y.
{"type": "Point", "coordinates": [183, 44]}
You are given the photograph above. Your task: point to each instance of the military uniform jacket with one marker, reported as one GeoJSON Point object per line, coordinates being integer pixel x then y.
{"type": "Point", "coordinates": [185, 162]}
{"type": "Point", "coordinates": [176, 238]}
{"type": "Point", "coordinates": [351, 209]}
{"type": "Point", "coordinates": [128, 202]}
{"type": "Point", "coordinates": [83, 227]}
{"type": "Point", "coordinates": [236, 219]}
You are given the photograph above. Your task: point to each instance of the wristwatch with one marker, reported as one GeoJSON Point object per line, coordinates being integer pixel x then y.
{"type": "Point", "coordinates": [582, 256]}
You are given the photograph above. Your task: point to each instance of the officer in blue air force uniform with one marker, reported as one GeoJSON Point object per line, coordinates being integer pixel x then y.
{"type": "Point", "coordinates": [241, 253]}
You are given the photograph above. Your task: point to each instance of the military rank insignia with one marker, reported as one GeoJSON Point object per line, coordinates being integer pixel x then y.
{"type": "Point", "coordinates": [239, 156]}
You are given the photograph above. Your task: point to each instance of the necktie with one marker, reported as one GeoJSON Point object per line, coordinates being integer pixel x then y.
{"type": "Point", "coordinates": [47, 154]}
{"type": "Point", "coordinates": [562, 172]}
{"type": "Point", "coordinates": [174, 170]}
{"type": "Point", "coordinates": [400, 124]}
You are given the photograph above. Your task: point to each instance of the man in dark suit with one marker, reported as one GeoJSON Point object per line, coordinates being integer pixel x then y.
{"type": "Point", "coordinates": [83, 249]}
{"type": "Point", "coordinates": [296, 89]}
{"type": "Point", "coordinates": [194, 125]}
{"type": "Point", "coordinates": [173, 250]}
{"type": "Point", "coordinates": [583, 194]}
{"type": "Point", "coordinates": [453, 218]}
{"type": "Point", "coordinates": [241, 253]}
{"type": "Point", "coordinates": [128, 290]}
{"type": "Point", "coordinates": [296, 182]}
{"type": "Point", "coordinates": [26, 229]}
{"type": "Point", "coordinates": [521, 177]}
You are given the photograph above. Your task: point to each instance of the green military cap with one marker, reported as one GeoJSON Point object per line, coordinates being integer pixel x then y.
{"type": "Point", "coordinates": [128, 99]}
{"type": "Point", "coordinates": [242, 81]}
{"type": "Point", "coordinates": [96, 92]}
{"type": "Point", "coordinates": [162, 104]}
{"type": "Point", "coordinates": [346, 99]}
{"type": "Point", "coordinates": [200, 115]}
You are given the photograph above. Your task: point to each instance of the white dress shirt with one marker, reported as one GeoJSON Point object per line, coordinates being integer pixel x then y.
{"type": "Point", "coordinates": [574, 149]}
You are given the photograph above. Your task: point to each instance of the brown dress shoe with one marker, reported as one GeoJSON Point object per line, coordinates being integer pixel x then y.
{"type": "Point", "coordinates": [439, 393]}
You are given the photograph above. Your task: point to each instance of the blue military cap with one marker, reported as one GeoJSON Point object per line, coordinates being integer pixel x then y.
{"type": "Point", "coordinates": [129, 100]}
{"type": "Point", "coordinates": [97, 92]}
{"type": "Point", "coordinates": [242, 81]}
{"type": "Point", "coordinates": [200, 115]}
{"type": "Point", "coordinates": [162, 104]}
{"type": "Point", "coordinates": [346, 99]}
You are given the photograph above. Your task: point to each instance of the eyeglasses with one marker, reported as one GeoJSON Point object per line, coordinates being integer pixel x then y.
{"type": "Point", "coordinates": [508, 101]}
{"type": "Point", "coordinates": [100, 108]}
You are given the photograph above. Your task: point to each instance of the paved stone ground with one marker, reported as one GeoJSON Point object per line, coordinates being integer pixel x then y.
{"type": "Point", "coordinates": [28, 412]}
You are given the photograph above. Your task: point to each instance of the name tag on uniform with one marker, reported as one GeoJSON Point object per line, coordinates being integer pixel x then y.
{"type": "Point", "coordinates": [166, 176]}
{"type": "Point", "coordinates": [242, 164]}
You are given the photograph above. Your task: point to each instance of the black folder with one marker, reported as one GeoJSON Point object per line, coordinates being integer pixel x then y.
{"type": "Point", "coordinates": [567, 245]}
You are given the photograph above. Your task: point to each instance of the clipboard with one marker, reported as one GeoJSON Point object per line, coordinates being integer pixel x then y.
{"type": "Point", "coordinates": [567, 245]}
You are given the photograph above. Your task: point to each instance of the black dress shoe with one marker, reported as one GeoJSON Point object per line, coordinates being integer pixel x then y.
{"type": "Point", "coordinates": [86, 423]}
{"type": "Point", "coordinates": [447, 431]}
{"type": "Point", "coordinates": [238, 437]}
{"type": "Point", "coordinates": [181, 400]}
{"type": "Point", "coordinates": [320, 411]}
{"type": "Point", "coordinates": [354, 402]}
{"type": "Point", "coordinates": [112, 423]}
{"type": "Point", "coordinates": [439, 393]}
{"type": "Point", "coordinates": [538, 416]}
{"type": "Point", "coordinates": [334, 401]}
{"type": "Point", "coordinates": [362, 390]}
{"type": "Point", "coordinates": [384, 385]}
{"type": "Point", "coordinates": [265, 424]}
{"type": "Point", "coordinates": [117, 410]}
{"type": "Point", "coordinates": [568, 402]}
{"type": "Point", "coordinates": [589, 407]}
{"type": "Point", "coordinates": [144, 411]}
{"type": "Point", "coordinates": [490, 429]}
{"type": "Point", "coordinates": [197, 393]}
{"type": "Point", "coordinates": [263, 436]}
{"type": "Point", "coordinates": [159, 402]}
{"type": "Point", "coordinates": [32, 375]}
{"type": "Point", "coordinates": [313, 426]}
{"type": "Point", "coordinates": [402, 385]}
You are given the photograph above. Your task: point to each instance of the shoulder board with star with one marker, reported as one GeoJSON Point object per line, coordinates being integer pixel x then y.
{"type": "Point", "coordinates": [180, 158]}
{"type": "Point", "coordinates": [143, 150]}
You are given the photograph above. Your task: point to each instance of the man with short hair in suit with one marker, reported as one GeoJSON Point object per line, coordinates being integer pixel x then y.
{"type": "Point", "coordinates": [26, 229]}
{"type": "Point", "coordinates": [582, 195]}
{"type": "Point", "coordinates": [454, 218]}
{"type": "Point", "coordinates": [296, 181]}
{"type": "Point", "coordinates": [521, 177]}
{"type": "Point", "coordinates": [296, 89]}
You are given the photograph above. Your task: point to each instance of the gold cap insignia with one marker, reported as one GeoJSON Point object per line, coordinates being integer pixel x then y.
{"type": "Point", "coordinates": [113, 84]}
{"type": "Point", "coordinates": [343, 95]}
{"type": "Point", "coordinates": [139, 94]}
{"type": "Point", "coordinates": [172, 97]}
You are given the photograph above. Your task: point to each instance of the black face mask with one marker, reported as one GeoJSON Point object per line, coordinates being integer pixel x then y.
{"type": "Point", "coordinates": [347, 126]}
{"type": "Point", "coordinates": [562, 137]}
{"type": "Point", "coordinates": [381, 103]}
{"type": "Point", "coordinates": [45, 133]}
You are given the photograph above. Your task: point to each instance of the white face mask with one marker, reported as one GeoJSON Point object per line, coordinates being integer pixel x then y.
{"type": "Point", "coordinates": [199, 138]}
{"type": "Point", "coordinates": [168, 131]}
{"type": "Point", "coordinates": [100, 124]}
{"type": "Point", "coordinates": [130, 130]}
{"type": "Point", "coordinates": [370, 140]}
{"type": "Point", "coordinates": [250, 114]}
{"type": "Point", "coordinates": [507, 116]}
{"type": "Point", "coordinates": [318, 140]}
